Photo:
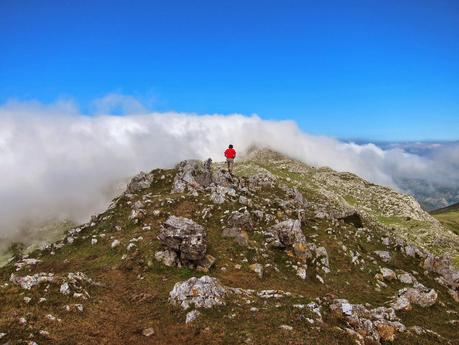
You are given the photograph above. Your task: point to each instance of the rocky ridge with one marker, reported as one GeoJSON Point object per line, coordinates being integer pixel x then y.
{"type": "Point", "coordinates": [194, 255]}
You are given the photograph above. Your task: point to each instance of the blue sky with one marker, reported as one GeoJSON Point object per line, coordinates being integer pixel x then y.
{"type": "Point", "coordinates": [368, 69]}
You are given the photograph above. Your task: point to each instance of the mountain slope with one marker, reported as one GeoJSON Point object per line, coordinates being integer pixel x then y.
{"type": "Point", "coordinates": [449, 217]}
{"type": "Point", "coordinates": [308, 254]}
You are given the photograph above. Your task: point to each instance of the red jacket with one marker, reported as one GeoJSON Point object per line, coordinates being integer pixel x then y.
{"type": "Point", "coordinates": [230, 153]}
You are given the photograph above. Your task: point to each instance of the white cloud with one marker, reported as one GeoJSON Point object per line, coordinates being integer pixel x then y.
{"type": "Point", "coordinates": [56, 162]}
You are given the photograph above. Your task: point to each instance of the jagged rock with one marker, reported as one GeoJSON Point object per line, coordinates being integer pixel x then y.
{"type": "Point", "coordinates": [369, 326]}
{"type": "Point", "coordinates": [443, 267]}
{"type": "Point", "coordinates": [387, 330]}
{"type": "Point", "coordinates": [66, 283]}
{"type": "Point", "coordinates": [261, 180]}
{"type": "Point", "coordinates": [383, 255]}
{"type": "Point", "coordinates": [258, 269]}
{"type": "Point", "coordinates": [192, 316]}
{"type": "Point", "coordinates": [140, 182]}
{"type": "Point", "coordinates": [341, 306]}
{"type": "Point", "coordinates": [406, 278]}
{"type": "Point", "coordinates": [27, 282]}
{"type": "Point", "coordinates": [401, 303]}
{"type": "Point", "coordinates": [285, 234]}
{"type": "Point", "coordinates": [167, 257]}
{"type": "Point", "coordinates": [424, 299]}
{"type": "Point", "coordinates": [187, 238]}
{"type": "Point", "coordinates": [204, 292]}
{"type": "Point", "coordinates": [302, 272]}
{"type": "Point", "coordinates": [245, 201]}
{"type": "Point", "coordinates": [192, 175]}
{"type": "Point", "coordinates": [26, 262]}
{"type": "Point", "coordinates": [419, 295]}
{"type": "Point", "coordinates": [65, 289]}
{"type": "Point", "coordinates": [241, 220]}
{"type": "Point", "coordinates": [218, 194]}
{"type": "Point", "coordinates": [259, 214]}
{"type": "Point", "coordinates": [222, 178]}
{"type": "Point", "coordinates": [388, 274]}
{"type": "Point", "coordinates": [296, 196]}
{"type": "Point", "coordinates": [322, 257]}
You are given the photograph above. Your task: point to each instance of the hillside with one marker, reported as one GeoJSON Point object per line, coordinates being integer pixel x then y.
{"type": "Point", "coordinates": [449, 217]}
{"type": "Point", "coordinates": [281, 253]}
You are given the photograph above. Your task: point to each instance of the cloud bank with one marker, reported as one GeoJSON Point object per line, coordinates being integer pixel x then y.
{"type": "Point", "coordinates": [57, 163]}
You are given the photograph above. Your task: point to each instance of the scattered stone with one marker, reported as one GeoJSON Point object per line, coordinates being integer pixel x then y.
{"type": "Point", "coordinates": [204, 292]}
{"type": "Point", "coordinates": [115, 243]}
{"type": "Point", "coordinates": [388, 274]}
{"type": "Point", "coordinates": [148, 332]}
{"type": "Point", "coordinates": [302, 272]}
{"type": "Point", "coordinates": [167, 257]}
{"type": "Point", "coordinates": [218, 194]}
{"type": "Point", "coordinates": [245, 201]}
{"type": "Point", "coordinates": [419, 295]}
{"type": "Point", "coordinates": [65, 289]}
{"type": "Point", "coordinates": [383, 255]}
{"type": "Point", "coordinates": [44, 333]}
{"type": "Point", "coordinates": [320, 279]}
{"type": "Point", "coordinates": [27, 282]}
{"type": "Point", "coordinates": [192, 316]}
{"type": "Point", "coordinates": [406, 278]}
{"type": "Point", "coordinates": [258, 269]}
{"type": "Point", "coordinates": [286, 327]}
{"type": "Point", "coordinates": [322, 257]}
{"type": "Point", "coordinates": [25, 263]}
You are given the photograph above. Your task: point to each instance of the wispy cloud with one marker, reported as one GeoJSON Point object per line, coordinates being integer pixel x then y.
{"type": "Point", "coordinates": [58, 163]}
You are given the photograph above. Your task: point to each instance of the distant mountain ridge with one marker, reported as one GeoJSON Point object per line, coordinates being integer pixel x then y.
{"type": "Point", "coordinates": [450, 208]}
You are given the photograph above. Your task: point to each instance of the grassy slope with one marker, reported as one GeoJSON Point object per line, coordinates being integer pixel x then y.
{"type": "Point", "coordinates": [135, 295]}
{"type": "Point", "coordinates": [378, 203]}
{"type": "Point", "coordinates": [449, 217]}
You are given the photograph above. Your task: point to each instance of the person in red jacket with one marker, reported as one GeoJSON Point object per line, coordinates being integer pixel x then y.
{"type": "Point", "coordinates": [230, 154]}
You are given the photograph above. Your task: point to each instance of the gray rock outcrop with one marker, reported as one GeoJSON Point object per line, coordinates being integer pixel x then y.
{"type": "Point", "coordinates": [204, 292]}
{"type": "Point", "coordinates": [185, 237]}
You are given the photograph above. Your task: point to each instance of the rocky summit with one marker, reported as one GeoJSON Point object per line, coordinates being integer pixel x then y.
{"type": "Point", "coordinates": [279, 253]}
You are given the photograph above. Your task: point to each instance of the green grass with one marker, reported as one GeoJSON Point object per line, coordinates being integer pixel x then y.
{"type": "Point", "coordinates": [116, 306]}
{"type": "Point", "coordinates": [351, 200]}
{"type": "Point", "coordinates": [450, 220]}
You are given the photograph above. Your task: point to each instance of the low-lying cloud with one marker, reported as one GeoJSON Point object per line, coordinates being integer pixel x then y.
{"type": "Point", "coordinates": [56, 163]}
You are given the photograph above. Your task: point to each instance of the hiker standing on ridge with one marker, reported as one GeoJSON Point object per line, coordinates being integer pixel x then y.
{"type": "Point", "coordinates": [230, 154]}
